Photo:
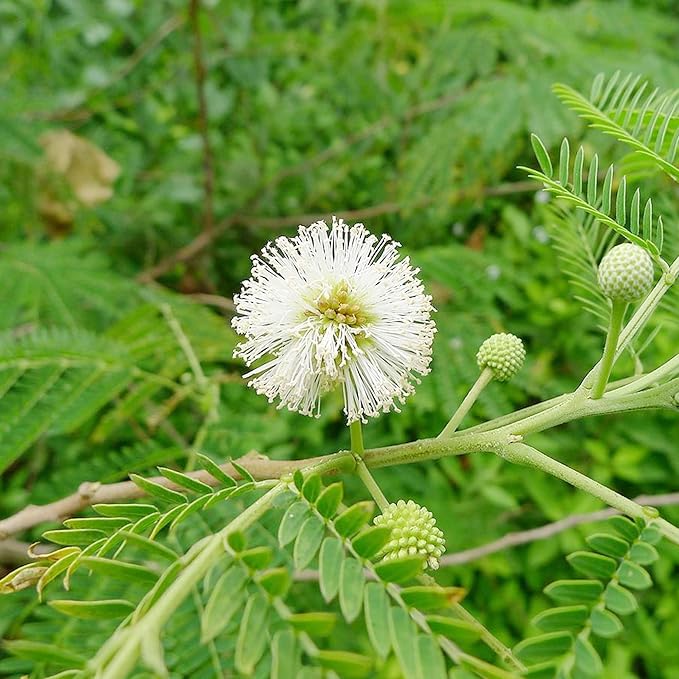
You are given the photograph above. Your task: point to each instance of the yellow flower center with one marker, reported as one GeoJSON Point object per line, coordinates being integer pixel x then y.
{"type": "Point", "coordinates": [338, 306]}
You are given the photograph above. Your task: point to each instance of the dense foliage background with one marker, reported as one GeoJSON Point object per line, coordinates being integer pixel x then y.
{"type": "Point", "coordinates": [228, 123]}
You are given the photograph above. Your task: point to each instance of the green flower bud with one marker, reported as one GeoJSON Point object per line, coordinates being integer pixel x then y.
{"type": "Point", "coordinates": [626, 273]}
{"type": "Point", "coordinates": [503, 353]}
{"type": "Point", "coordinates": [413, 531]}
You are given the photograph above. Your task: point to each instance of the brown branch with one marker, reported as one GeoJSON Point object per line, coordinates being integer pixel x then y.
{"type": "Point", "coordinates": [90, 493]}
{"type": "Point", "coordinates": [549, 530]}
{"type": "Point", "coordinates": [203, 118]}
{"type": "Point", "coordinates": [527, 536]}
{"type": "Point", "coordinates": [204, 239]}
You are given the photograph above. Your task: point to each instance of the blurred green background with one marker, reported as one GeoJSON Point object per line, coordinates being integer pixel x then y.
{"type": "Point", "coordinates": [147, 144]}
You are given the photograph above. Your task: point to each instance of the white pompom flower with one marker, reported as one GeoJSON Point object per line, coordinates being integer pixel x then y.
{"type": "Point", "coordinates": [329, 307]}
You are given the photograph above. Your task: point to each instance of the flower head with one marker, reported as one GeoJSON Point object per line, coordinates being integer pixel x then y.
{"type": "Point", "coordinates": [413, 532]}
{"type": "Point", "coordinates": [503, 353]}
{"type": "Point", "coordinates": [329, 307]}
{"type": "Point", "coordinates": [626, 273]}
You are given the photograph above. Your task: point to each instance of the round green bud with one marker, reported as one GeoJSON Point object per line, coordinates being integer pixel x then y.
{"type": "Point", "coordinates": [413, 532]}
{"type": "Point", "coordinates": [503, 353]}
{"type": "Point", "coordinates": [626, 273]}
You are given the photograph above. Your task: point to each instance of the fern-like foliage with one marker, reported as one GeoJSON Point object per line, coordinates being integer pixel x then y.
{"type": "Point", "coordinates": [628, 109]}
{"type": "Point", "coordinates": [590, 608]}
{"type": "Point", "coordinates": [54, 381]}
{"type": "Point", "coordinates": [62, 283]}
{"type": "Point", "coordinates": [246, 601]}
{"type": "Point", "coordinates": [580, 243]}
{"type": "Point", "coordinates": [608, 206]}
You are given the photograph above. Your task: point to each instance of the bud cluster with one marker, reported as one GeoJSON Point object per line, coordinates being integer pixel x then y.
{"type": "Point", "coordinates": [413, 532]}
{"type": "Point", "coordinates": [503, 353]}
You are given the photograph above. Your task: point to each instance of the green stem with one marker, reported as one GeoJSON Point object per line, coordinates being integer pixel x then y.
{"type": "Point", "coordinates": [520, 453]}
{"type": "Point", "coordinates": [639, 318]}
{"type": "Point", "coordinates": [126, 656]}
{"type": "Point", "coordinates": [606, 364]}
{"type": "Point", "coordinates": [357, 448]}
{"type": "Point", "coordinates": [481, 383]}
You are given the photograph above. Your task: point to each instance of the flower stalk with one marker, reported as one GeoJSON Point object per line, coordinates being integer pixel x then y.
{"type": "Point", "coordinates": [618, 308]}
{"type": "Point", "coordinates": [358, 450]}
{"type": "Point", "coordinates": [483, 380]}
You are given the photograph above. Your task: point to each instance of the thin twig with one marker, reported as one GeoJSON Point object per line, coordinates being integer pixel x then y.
{"type": "Point", "coordinates": [203, 118]}
{"type": "Point", "coordinates": [204, 239]}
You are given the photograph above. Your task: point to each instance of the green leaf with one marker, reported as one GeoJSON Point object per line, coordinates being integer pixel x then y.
{"type": "Point", "coordinates": [298, 479]}
{"type": "Point", "coordinates": [351, 520]}
{"type": "Point", "coordinates": [256, 558]}
{"type": "Point", "coordinates": [574, 591]}
{"type": "Point", "coordinates": [105, 524]}
{"type": "Point", "coordinates": [370, 541]}
{"type": "Point", "coordinates": [643, 553]}
{"type": "Point", "coordinates": [352, 581]}
{"type": "Point", "coordinates": [330, 500]}
{"type": "Point", "coordinates": [93, 610]}
{"type": "Point", "coordinates": [156, 490]}
{"type": "Point", "coordinates": [284, 655]}
{"type": "Point", "coordinates": [543, 647]}
{"type": "Point", "coordinates": [312, 487]}
{"type": "Point", "coordinates": [330, 561]}
{"type": "Point", "coordinates": [292, 521]}
{"type": "Point", "coordinates": [545, 670]}
{"type": "Point", "coordinates": [276, 581]}
{"type": "Point", "coordinates": [562, 618]}
{"type": "Point", "coordinates": [40, 652]}
{"type": "Point", "coordinates": [148, 545]}
{"type": "Point", "coordinates": [651, 533]}
{"type": "Point", "coordinates": [400, 570]}
{"type": "Point", "coordinates": [244, 473]}
{"type": "Point", "coordinates": [376, 608]}
{"type": "Point", "coordinates": [587, 660]}
{"type": "Point", "coordinates": [404, 641]}
{"type": "Point", "coordinates": [610, 545]}
{"type": "Point", "coordinates": [620, 600]}
{"type": "Point", "coordinates": [564, 157]}
{"type": "Point", "coordinates": [252, 637]}
{"type": "Point", "coordinates": [185, 481]}
{"type": "Point", "coordinates": [349, 665]}
{"type": "Point", "coordinates": [236, 541]}
{"type": "Point", "coordinates": [541, 155]}
{"type": "Point", "coordinates": [317, 624]}
{"type": "Point", "coordinates": [459, 631]}
{"type": "Point", "coordinates": [79, 536]}
{"type": "Point", "coordinates": [428, 597]}
{"type": "Point", "coordinates": [127, 511]}
{"type": "Point", "coordinates": [215, 470]}
{"type": "Point", "coordinates": [226, 598]}
{"type": "Point", "coordinates": [432, 663]}
{"type": "Point", "coordinates": [605, 624]}
{"type": "Point", "coordinates": [624, 527]}
{"type": "Point", "coordinates": [593, 565]}
{"type": "Point", "coordinates": [308, 541]}
{"type": "Point", "coordinates": [120, 570]}
{"type": "Point", "coordinates": [634, 576]}
{"type": "Point", "coordinates": [483, 669]}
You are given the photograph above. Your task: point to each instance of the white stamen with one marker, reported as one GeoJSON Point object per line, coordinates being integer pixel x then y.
{"type": "Point", "coordinates": [330, 307]}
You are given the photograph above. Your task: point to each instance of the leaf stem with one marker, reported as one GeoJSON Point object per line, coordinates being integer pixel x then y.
{"type": "Point", "coordinates": [481, 383]}
{"type": "Point", "coordinates": [618, 309]}
{"type": "Point", "coordinates": [520, 453]}
{"type": "Point", "coordinates": [357, 448]}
